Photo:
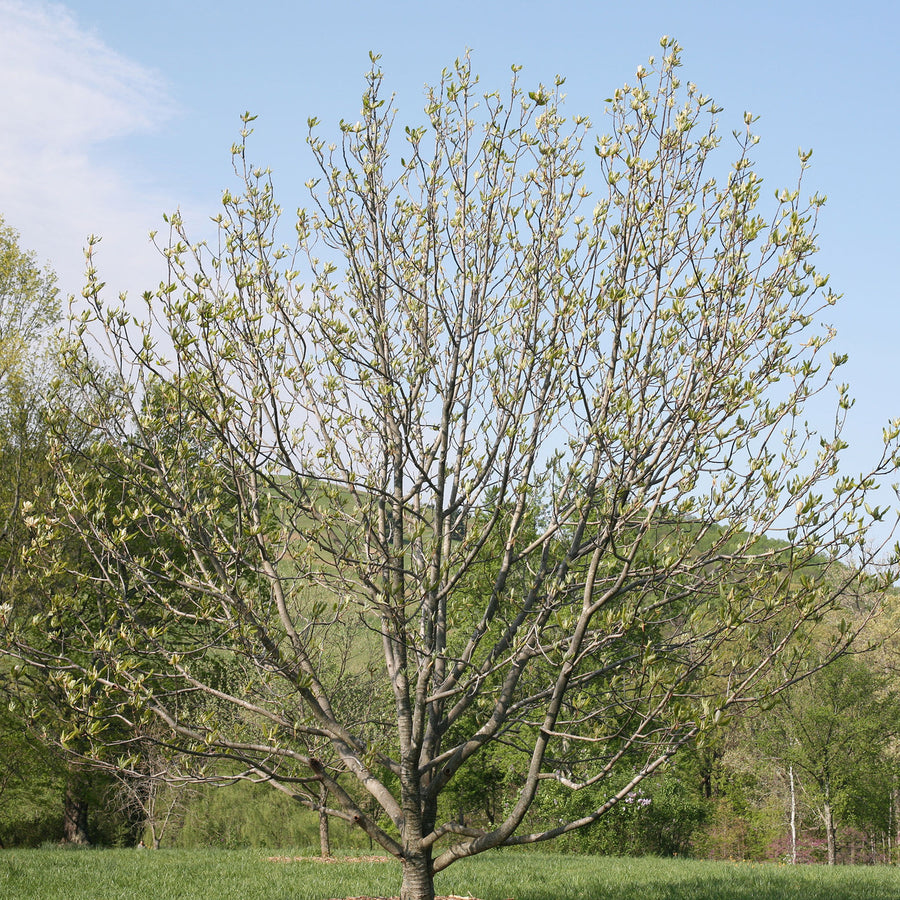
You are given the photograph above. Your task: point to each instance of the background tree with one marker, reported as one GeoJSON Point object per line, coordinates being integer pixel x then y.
{"type": "Point", "coordinates": [517, 441]}
{"type": "Point", "coordinates": [836, 730]}
{"type": "Point", "coordinates": [43, 794]}
{"type": "Point", "coordinates": [29, 307]}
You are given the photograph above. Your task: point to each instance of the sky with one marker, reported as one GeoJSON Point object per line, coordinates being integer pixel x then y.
{"type": "Point", "coordinates": [115, 112]}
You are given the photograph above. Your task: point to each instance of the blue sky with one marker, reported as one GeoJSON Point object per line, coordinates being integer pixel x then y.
{"type": "Point", "coordinates": [116, 111]}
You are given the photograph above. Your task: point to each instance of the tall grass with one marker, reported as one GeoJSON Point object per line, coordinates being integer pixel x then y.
{"type": "Point", "coordinates": [250, 875]}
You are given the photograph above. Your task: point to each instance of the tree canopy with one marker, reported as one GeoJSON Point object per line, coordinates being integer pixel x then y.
{"type": "Point", "coordinates": [484, 466]}
{"type": "Point", "coordinates": [29, 307]}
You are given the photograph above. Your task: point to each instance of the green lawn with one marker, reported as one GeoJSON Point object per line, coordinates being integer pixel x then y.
{"type": "Point", "coordinates": [249, 875]}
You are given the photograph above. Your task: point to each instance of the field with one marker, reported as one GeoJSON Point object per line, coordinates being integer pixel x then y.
{"type": "Point", "coordinates": [254, 875]}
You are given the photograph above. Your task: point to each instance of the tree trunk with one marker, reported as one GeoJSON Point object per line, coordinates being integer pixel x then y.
{"type": "Point", "coordinates": [75, 815]}
{"type": "Point", "coordinates": [418, 878]}
{"type": "Point", "coordinates": [324, 836]}
{"type": "Point", "coordinates": [829, 832]}
{"type": "Point", "coordinates": [155, 835]}
{"type": "Point", "coordinates": [895, 819]}
{"type": "Point", "coordinates": [793, 818]}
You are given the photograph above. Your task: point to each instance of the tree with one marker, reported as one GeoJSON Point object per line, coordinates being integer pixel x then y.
{"type": "Point", "coordinates": [516, 442]}
{"type": "Point", "coordinates": [834, 730]}
{"type": "Point", "coordinates": [29, 312]}
{"type": "Point", "coordinates": [29, 307]}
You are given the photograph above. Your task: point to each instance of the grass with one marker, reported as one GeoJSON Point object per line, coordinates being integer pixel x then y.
{"type": "Point", "coordinates": [203, 874]}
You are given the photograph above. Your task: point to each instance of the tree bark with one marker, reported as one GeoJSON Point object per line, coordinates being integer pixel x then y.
{"type": "Point", "coordinates": [418, 877]}
{"type": "Point", "coordinates": [830, 833]}
{"type": "Point", "coordinates": [75, 815]}
{"type": "Point", "coordinates": [417, 863]}
{"type": "Point", "coordinates": [324, 836]}
{"type": "Point", "coordinates": [895, 820]}
{"type": "Point", "coordinates": [793, 818]}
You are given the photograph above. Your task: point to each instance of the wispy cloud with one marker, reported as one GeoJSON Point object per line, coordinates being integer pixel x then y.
{"type": "Point", "coordinates": [63, 94]}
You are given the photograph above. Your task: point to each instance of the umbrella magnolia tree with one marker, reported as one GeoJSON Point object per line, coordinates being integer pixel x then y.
{"type": "Point", "coordinates": [485, 466]}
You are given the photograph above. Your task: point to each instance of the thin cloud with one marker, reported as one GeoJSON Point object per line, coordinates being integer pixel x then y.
{"type": "Point", "coordinates": [63, 94]}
